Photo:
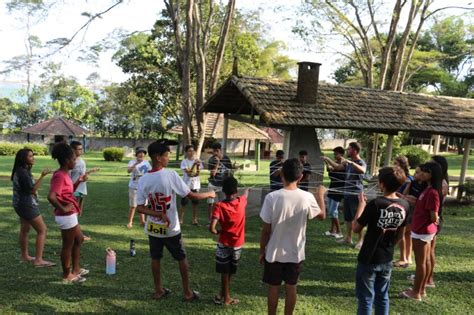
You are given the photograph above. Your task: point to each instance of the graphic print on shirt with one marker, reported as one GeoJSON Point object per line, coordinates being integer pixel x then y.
{"type": "Point", "coordinates": [160, 203]}
{"type": "Point", "coordinates": [392, 217]}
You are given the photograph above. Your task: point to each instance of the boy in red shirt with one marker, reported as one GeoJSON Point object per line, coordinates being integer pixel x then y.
{"type": "Point", "coordinates": [230, 213]}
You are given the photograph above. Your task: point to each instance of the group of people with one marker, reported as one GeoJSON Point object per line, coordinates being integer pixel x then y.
{"type": "Point", "coordinates": [407, 203]}
{"type": "Point", "coordinates": [66, 195]}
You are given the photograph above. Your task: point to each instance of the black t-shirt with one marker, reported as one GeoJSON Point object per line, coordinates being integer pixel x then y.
{"type": "Point", "coordinates": [23, 184]}
{"type": "Point", "coordinates": [383, 218]}
{"type": "Point", "coordinates": [224, 169]}
{"type": "Point", "coordinates": [303, 185]}
{"type": "Point", "coordinates": [337, 182]}
{"type": "Point", "coordinates": [275, 180]}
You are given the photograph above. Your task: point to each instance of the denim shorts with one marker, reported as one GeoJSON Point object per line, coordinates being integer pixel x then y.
{"type": "Point", "coordinates": [333, 207]}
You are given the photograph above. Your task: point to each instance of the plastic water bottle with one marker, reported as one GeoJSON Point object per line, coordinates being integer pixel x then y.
{"type": "Point", "coordinates": [110, 261]}
{"type": "Point", "coordinates": [133, 252]}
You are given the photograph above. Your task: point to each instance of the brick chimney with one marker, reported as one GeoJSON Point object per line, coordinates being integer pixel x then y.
{"type": "Point", "coordinates": [308, 78]}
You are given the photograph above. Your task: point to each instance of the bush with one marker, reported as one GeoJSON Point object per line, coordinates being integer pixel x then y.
{"type": "Point", "coordinates": [415, 155]}
{"type": "Point", "coordinates": [11, 148]}
{"type": "Point", "coordinates": [113, 154]}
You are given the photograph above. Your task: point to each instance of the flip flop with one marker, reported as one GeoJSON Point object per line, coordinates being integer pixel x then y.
{"type": "Point", "coordinates": [76, 279]}
{"type": "Point", "coordinates": [45, 265]}
{"type": "Point", "coordinates": [195, 297]}
{"type": "Point", "coordinates": [217, 300]}
{"type": "Point", "coordinates": [165, 293]}
{"type": "Point", "coordinates": [27, 261]}
{"type": "Point", "coordinates": [399, 264]}
{"type": "Point", "coordinates": [83, 272]}
{"type": "Point", "coordinates": [405, 295]}
{"type": "Point", "coordinates": [86, 238]}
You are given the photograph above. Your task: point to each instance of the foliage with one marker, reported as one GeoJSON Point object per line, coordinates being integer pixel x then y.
{"type": "Point", "coordinates": [11, 148]}
{"type": "Point", "coordinates": [113, 154]}
{"type": "Point", "coordinates": [415, 155]}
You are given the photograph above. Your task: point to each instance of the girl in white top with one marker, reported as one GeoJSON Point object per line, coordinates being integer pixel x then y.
{"type": "Point", "coordinates": [191, 168]}
{"type": "Point", "coordinates": [136, 168]}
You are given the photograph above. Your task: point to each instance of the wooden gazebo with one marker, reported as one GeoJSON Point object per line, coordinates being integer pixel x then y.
{"type": "Point", "coordinates": [300, 107]}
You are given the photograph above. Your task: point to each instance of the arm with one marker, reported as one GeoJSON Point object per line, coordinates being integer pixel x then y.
{"type": "Point", "coordinates": [143, 209]}
{"type": "Point", "coordinates": [320, 201]}
{"type": "Point", "coordinates": [358, 168]}
{"type": "Point", "coordinates": [53, 199]}
{"type": "Point", "coordinates": [200, 196]}
{"type": "Point", "coordinates": [264, 238]}
{"type": "Point", "coordinates": [38, 182]}
{"type": "Point", "coordinates": [214, 169]}
{"type": "Point", "coordinates": [334, 165]}
{"type": "Point", "coordinates": [212, 227]}
{"type": "Point", "coordinates": [356, 226]}
{"type": "Point", "coordinates": [399, 235]}
{"type": "Point", "coordinates": [434, 217]}
{"type": "Point", "coordinates": [132, 167]}
{"type": "Point", "coordinates": [81, 179]}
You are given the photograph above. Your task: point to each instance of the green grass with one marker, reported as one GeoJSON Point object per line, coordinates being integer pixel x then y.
{"type": "Point", "coordinates": [326, 285]}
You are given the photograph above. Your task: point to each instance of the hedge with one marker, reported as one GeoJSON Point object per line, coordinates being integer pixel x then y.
{"type": "Point", "coordinates": [415, 155]}
{"type": "Point", "coordinates": [11, 148]}
{"type": "Point", "coordinates": [113, 154]}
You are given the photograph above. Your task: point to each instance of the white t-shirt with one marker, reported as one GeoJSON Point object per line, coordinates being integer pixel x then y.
{"type": "Point", "coordinates": [79, 170]}
{"type": "Point", "coordinates": [159, 188]}
{"type": "Point", "coordinates": [192, 182]}
{"type": "Point", "coordinates": [288, 211]}
{"type": "Point", "coordinates": [137, 172]}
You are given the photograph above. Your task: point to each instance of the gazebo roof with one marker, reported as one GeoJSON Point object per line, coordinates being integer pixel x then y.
{"type": "Point", "coordinates": [237, 129]}
{"type": "Point", "coordinates": [56, 126]}
{"type": "Point", "coordinates": [343, 107]}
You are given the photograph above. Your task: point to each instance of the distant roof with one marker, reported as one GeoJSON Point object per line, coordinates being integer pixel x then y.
{"type": "Point", "coordinates": [237, 129]}
{"type": "Point", "coordinates": [56, 126]}
{"type": "Point", "coordinates": [342, 107]}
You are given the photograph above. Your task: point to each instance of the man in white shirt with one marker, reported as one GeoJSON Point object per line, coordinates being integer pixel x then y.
{"type": "Point", "coordinates": [136, 168]}
{"type": "Point", "coordinates": [158, 189]}
{"type": "Point", "coordinates": [282, 244]}
{"type": "Point", "coordinates": [191, 168]}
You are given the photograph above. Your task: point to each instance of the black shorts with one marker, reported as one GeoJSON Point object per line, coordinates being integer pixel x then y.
{"type": "Point", "coordinates": [27, 213]}
{"type": "Point", "coordinates": [351, 203]}
{"type": "Point", "coordinates": [276, 272]}
{"type": "Point", "coordinates": [185, 200]}
{"type": "Point", "coordinates": [227, 259]}
{"type": "Point", "coordinates": [173, 244]}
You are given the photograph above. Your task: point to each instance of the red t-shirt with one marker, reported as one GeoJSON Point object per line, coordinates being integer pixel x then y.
{"type": "Point", "coordinates": [231, 216]}
{"type": "Point", "coordinates": [427, 202]}
{"type": "Point", "coordinates": [61, 184]}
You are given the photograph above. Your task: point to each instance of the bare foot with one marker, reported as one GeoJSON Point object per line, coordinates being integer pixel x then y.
{"type": "Point", "coordinates": [129, 226]}
{"type": "Point", "coordinates": [43, 263]}
{"type": "Point", "coordinates": [86, 238]}
{"type": "Point", "coordinates": [231, 301]}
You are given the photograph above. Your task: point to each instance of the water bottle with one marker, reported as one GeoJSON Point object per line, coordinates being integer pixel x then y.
{"type": "Point", "coordinates": [110, 261]}
{"type": "Point", "coordinates": [133, 252]}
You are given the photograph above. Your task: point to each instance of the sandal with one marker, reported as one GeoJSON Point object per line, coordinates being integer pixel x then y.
{"type": "Point", "coordinates": [217, 300]}
{"type": "Point", "coordinates": [76, 279]}
{"type": "Point", "coordinates": [165, 293]}
{"type": "Point", "coordinates": [406, 295]}
{"type": "Point", "coordinates": [400, 264]}
{"type": "Point", "coordinates": [233, 302]}
{"type": "Point", "coordinates": [195, 297]}
{"type": "Point", "coordinates": [45, 264]}
{"type": "Point", "coordinates": [83, 272]}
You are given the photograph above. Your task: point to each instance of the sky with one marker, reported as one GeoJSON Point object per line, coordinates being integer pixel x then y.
{"type": "Point", "coordinates": [139, 15]}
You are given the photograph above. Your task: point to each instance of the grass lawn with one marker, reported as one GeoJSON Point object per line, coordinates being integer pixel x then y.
{"type": "Point", "coordinates": [326, 284]}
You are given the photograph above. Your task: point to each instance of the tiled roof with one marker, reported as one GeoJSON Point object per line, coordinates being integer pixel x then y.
{"type": "Point", "coordinates": [343, 107]}
{"type": "Point", "coordinates": [237, 129]}
{"type": "Point", "coordinates": [56, 126]}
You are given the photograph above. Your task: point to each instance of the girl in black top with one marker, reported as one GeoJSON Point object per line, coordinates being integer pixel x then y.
{"type": "Point", "coordinates": [25, 203]}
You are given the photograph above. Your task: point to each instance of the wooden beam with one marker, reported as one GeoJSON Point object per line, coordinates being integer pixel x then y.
{"type": "Point", "coordinates": [257, 153]}
{"type": "Point", "coordinates": [464, 165]}
{"type": "Point", "coordinates": [225, 135]}
{"type": "Point", "coordinates": [388, 152]}
{"type": "Point", "coordinates": [373, 159]}
{"type": "Point", "coordinates": [286, 142]}
{"type": "Point", "coordinates": [437, 141]}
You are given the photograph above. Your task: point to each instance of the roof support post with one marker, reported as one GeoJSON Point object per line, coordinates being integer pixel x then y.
{"type": "Point", "coordinates": [465, 161]}
{"type": "Point", "coordinates": [257, 153]}
{"type": "Point", "coordinates": [286, 142]}
{"type": "Point", "coordinates": [178, 146]}
{"type": "Point", "coordinates": [84, 143]}
{"type": "Point", "coordinates": [225, 135]}
{"type": "Point", "coordinates": [373, 158]}
{"type": "Point", "coordinates": [388, 153]}
{"type": "Point", "coordinates": [437, 141]}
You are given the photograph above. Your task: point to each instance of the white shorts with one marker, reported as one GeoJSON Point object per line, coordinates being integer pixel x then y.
{"type": "Point", "coordinates": [427, 238]}
{"type": "Point", "coordinates": [66, 222]}
{"type": "Point", "coordinates": [217, 189]}
{"type": "Point", "coordinates": [132, 197]}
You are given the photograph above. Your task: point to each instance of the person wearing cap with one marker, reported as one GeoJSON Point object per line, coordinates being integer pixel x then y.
{"type": "Point", "coordinates": [136, 168]}
{"type": "Point", "coordinates": [158, 188]}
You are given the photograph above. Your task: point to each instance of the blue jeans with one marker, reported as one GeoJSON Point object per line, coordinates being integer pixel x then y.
{"type": "Point", "coordinates": [372, 284]}
{"type": "Point", "coordinates": [332, 208]}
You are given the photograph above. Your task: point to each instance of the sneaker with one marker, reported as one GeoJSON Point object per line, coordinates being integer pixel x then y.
{"type": "Point", "coordinates": [338, 235]}
{"type": "Point", "coordinates": [358, 246]}
{"type": "Point", "coordinates": [328, 233]}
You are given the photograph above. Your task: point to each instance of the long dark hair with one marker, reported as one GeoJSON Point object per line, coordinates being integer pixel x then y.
{"type": "Point", "coordinates": [441, 160]}
{"type": "Point", "coordinates": [436, 176]}
{"type": "Point", "coordinates": [20, 160]}
{"type": "Point", "coordinates": [403, 162]}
